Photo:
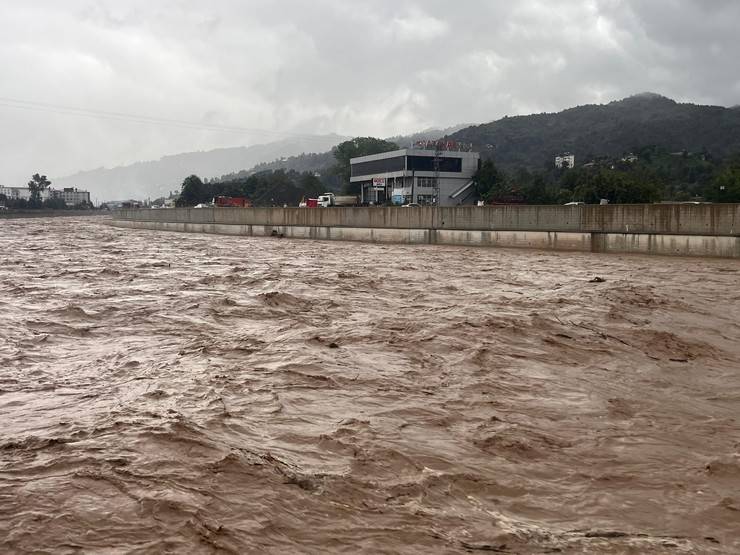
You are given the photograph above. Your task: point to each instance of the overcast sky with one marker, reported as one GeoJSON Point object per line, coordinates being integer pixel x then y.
{"type": "Point", "coordinates": [353, 67]}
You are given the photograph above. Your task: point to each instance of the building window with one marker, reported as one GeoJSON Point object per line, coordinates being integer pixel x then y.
{"type": "Point", "coordinates": [426, 164]}
{"type": "Point", "coordinates": [385, 165]}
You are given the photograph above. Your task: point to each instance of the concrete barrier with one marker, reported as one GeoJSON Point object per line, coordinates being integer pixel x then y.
{"type": "Point", "coordinates": [675, 229]}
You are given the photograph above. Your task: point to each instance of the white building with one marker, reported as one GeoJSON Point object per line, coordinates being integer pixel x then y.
{"type": "Point", "coordinates": [566, 160]}
{"type": "Point", "coordinates": [630, 158]}
{"type": "Point", "coordinates": [70, 196]}
{"type": "Point", "coordinates": [417, 175]}
{"type": "Point", "coordinates": [18, 193]}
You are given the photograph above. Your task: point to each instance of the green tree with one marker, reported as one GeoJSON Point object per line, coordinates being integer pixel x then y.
{"type": "Point", "coordinates": [37, 184]}
{"type": "Point", "coordinates": [616, 186]}
{"type": "Point", "coordinates": [193, 192]}
{"type": "Point", "coordinates": [359, 146]}
{"type": "Point", "coordinates": [490, 183]}
{"type": "Point", "coordinates": [725, 187]}
{"type": "Point", "coordinates": [310, 185]}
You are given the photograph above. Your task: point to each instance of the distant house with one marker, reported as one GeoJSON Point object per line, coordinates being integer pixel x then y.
{"type": "Point", "coordinates": [70, 196]}
{"type": "Point", "coordinates": [630, 158]}
{"type": "Point", "coordinates": [565, 160]}
{"type": "Point", "coordinates": [22, 193]}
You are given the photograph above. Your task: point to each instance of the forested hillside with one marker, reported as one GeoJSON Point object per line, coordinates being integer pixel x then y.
{"type": "Point", "coordinates": [608, 130]}
{"type": "Point", "coordinates": [645, 148]}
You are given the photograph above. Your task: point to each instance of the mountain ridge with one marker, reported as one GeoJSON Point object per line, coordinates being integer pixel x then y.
{"type": "Point", "coordinates": [152, 178]}
{"type": "Point", "coordinates": [523, 141]}
{"type": "Point", "coordinates": [611, 129]}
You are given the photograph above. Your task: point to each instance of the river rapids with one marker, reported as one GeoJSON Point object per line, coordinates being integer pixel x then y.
{"type": "Point", "coordinates": [187, 393]}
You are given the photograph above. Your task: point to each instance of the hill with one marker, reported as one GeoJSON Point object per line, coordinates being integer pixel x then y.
{"type": "Point", "coordinates": [320, 163]}
{"type": "Point", "coordinates": [531, 142]}
{"type": "Point", "coordinates": [610, 130]}
{"type": "Point", "coordinates": [159, 177]}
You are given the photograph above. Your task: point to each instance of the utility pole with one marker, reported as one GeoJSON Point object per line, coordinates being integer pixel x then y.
{"type": "Point", "coordinates": [437, 163]}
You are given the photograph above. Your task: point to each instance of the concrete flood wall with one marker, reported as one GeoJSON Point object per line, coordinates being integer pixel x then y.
{"type": "Point", "coordinates": [675, 229]}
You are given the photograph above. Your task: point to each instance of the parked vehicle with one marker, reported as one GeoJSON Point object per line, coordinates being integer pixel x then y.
{"type": "Point", "coordinates": [239, 202]}
{"type": "Point", "coordinates": [330, 199]}
{"type": "Point", "coordinates": [309, 203]}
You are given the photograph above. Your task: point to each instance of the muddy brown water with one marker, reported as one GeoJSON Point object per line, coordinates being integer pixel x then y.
{"type": "Point", "coordinates": [164, 392]}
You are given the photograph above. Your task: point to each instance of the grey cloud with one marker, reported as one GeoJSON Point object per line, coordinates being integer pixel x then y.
{"type": "Point", "coordinates": [378, 67]}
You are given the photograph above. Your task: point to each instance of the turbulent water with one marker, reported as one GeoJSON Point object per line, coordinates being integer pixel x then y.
{"type": "Point", "coordinates": [165, 392]}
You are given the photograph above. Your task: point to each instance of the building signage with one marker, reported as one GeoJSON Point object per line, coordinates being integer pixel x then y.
{"type": "Point", "coordinates": [379, 183]}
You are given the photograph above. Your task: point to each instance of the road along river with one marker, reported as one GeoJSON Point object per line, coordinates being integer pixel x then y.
{"type": "Point", "coordinates": [164, 392]}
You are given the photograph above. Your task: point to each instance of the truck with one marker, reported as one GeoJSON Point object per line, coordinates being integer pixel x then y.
{"type": "Point", "coordinates": [240, 202]}
{"type": "Point", "coordinates": [330, 199]}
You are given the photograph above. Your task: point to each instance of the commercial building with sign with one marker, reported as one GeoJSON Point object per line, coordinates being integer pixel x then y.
{"type": "Point", "coordinates": [426, 176]}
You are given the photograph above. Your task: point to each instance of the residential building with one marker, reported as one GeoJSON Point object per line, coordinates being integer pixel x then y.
{"type": "Point", "coordinates": [630, 158]}
{"type": "Point", "coordinates": [72, 196]}
{"type": "Point", "coordinates": [566, 160]}
{"type": "Point", "coordinates": [21, 193]}
{"type": "Point", "coordinates": [436, 173]}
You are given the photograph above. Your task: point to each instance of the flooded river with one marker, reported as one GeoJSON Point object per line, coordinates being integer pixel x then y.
{"type": "Point", "coordinates": [164, 392]}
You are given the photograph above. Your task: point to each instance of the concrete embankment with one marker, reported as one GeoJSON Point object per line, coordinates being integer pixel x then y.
{"type": "Point", "coordinates": [676, 229]}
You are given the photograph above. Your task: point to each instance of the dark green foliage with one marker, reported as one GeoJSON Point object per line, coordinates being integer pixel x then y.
{"type": "Point", "coordinates": [359, 146]}
{"type": "Point", "coordinates": [490, 183]}
{"type": "Point", "coordinates": [268, 188]}
{"type": "Point", "coordinates": [37, 184]}
{"type": "Point", "coordinates": [606, 130]}
{"type": "Point", "coordinates": [193, 192]}
{"type": "Point", "coordinates": [317, 165]}
{"type": "Point", "coordinates": [725, 187]}
{"type": "Point", "coordinates": [616, 186]}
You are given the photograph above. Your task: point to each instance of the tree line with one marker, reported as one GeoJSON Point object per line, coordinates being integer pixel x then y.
{"type": "Point", "coordinates": [270, 188]}
{"type": "Point", "coordinates": [651, 175]}
{"type": "Point", "coordinates": [648, 174]}
{"type": "Point", "coordinates": [278, 187]}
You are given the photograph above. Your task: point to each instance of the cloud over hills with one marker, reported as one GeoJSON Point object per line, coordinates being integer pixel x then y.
{"type": "Point", "coordinates": [376, 67]}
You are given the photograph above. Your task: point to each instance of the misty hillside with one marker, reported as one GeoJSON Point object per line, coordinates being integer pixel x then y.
{"type": "Point", "coordinates": [531, 141]}
{"type": "Point", "coordinates": [321, 162]}
{"type": "Point", "coordinates": [159, 177]}
{"type": "Point", "coordinates": [596, 130]}
{"type": "Point", "coordinates": [606, 130]}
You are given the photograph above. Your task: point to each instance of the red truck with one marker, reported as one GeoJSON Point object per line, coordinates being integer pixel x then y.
{"type": "Point", "coordinates": [240, 202]}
